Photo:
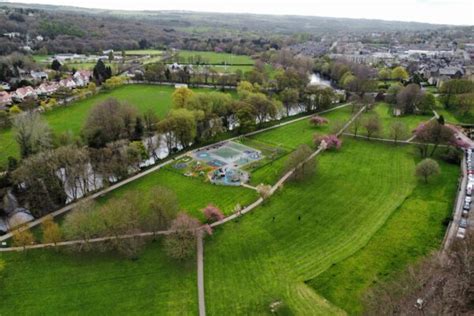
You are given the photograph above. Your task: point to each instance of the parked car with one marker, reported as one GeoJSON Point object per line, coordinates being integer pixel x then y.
{"type": "Point", "coordinates": [468, 199]}
{"type": "Point", "coordinates": [461, 233]}
{"type": "Point", "coordinates": [463, 223]}
{"type": "Point", "coordinates": [467, 206]}
{"type": "Point", "coordinates": [465, 213]}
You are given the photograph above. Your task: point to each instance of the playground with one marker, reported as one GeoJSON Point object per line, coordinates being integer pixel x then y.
{"type": "Point", "coordinates": [226, 160]}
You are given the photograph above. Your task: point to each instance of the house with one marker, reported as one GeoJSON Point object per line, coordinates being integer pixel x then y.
{"type": "Point", "coordinates": [47, 88]}
{"type": "Point", "coordinates": [5, 98]}
{"type": "Point", "coordinates": [68, 83]}
{"type": "Point", "coordinates": [82, 77]}
{"type": "Point", "coordinates": [39, 75]}
{"type": "Point", "coordinates": [25, 92]}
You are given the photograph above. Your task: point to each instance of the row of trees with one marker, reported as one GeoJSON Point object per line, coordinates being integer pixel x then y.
{"type": "Point", "coordinates": [125, 216]}
{"type": "Point", "coordinates": [458, 95]}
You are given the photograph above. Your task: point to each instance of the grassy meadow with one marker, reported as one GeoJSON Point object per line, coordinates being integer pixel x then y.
{"type": "Point", "coordinates": [73, 116]}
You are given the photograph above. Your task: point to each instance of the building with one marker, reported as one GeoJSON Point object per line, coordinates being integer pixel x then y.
{"type": "Point", "coordinates": [68, 83]}
{"type": "Point", "coordinates": [47, 88]}
{"type": "Point", "coordinates": [39, 75]}
{"type": "Point", "coordinates": [5, 98]}
{"type": "Point", "coordinates": [82, 77]}
{"type": "Point", "coordinates": [22, 93]}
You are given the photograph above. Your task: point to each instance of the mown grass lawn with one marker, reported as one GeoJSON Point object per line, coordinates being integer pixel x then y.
{"type": "Point", "coordinates": [193, 194]}
{"type": "Point", "coordinates": [385, 113]}
{"type": "Point", "coordinates": [45, 282]}
{"type": "Point", "coordinates": [270, 253]}
{"type": "Point", "coordinates": [217, 58]}
{"type": "Point", "coordinates": [414, 229]}
{"type": "Point", "coordinates": [289, 137]}
{"type": "Point", "coordinates": [72, 117]}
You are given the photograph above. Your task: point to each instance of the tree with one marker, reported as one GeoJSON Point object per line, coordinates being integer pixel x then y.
{"type": "Point", "coordinates": [399, 73]}
{"type": "Point", "coordinates": [327, 141]}
{"type": "Point", "coordinates": [264, 108]}
{"type": "Point", "coordinates": [180, 244]}
{"type": "Point", "coordinates": [454, 87]}
{"type": "Point", "coordinates": [384, 74]}
{"type": "Point", "coordinates": [83, 222]}
{"type": "Point", "coordinates": [426, 169]}
{"type": "Point", "coordinates": [56, 65]}
{"type": "Point", "coordinates": [398, 130]}
{"type": "Point", "coordinates": [433, 132]}
{"type": "Point", "coordinates": [51, 231]}
{"type": "Point", "coordinates": [409, 98]}
{"type": "Point", "coordinates": [101, 72]}
{"type": "Point", "coordinates": [264, 190]}
{"type": "Point", "coordinates": [39, 175]}
{"type": "Point", "coordinates": [245, 115]}
{"type": "Point", "coordinates": [32, 133]}
{"type": "Point", "coordinates": [22, 237]}
{"type": "Point", "coordinates": [441, 284]}
{"type": "Point", "coordinates": [298, 160]}
{"type": "Point", "coordinates": [427, 103]}
{"type": "Point", "coordinates": [356, 124]}
{"type": "Point", "coordinates": [318, 120]}
{"type": "Point", "coordinates": [109, 121]}
{"type": "Point", "coordinates": [289, 98]}
{"type": "Point", "coordinates": [373, 125]}
{"type": "Point", "coordinates": [181, 97]}
{"type": "Point", "coordinates": [161, 210]}
{"type": "Point", "coordinates": [213, 213]}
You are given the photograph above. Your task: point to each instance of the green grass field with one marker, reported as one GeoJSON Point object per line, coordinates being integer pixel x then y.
{"type": "Point", "coordinates": [289, 137]}
{"type": "Point", "coordinates": [362, 218]}
{"type": "Point", "coordinates": [353, 194]}
{"type": "Point", "coordinates": [411, 121]}
{"type": "Point", "coordinates": [192, 193]}
{"type": "Point", "coordinates": [139, 52]}
{"type": "Point", "coordinates": [217, 58]}
{"type": "Point", "coordinates": [414, 229]}
{"type": "Point", "coordinates": [46, 282]}
{"type": "Point", "coordinates": [73, 116]}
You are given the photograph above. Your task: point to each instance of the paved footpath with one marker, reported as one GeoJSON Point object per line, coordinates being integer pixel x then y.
{"type": "Point", "coordinates": [69, 207]}
{"type": "Point", "coordinates": [200, 274]}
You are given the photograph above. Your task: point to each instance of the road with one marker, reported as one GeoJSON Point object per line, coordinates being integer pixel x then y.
{"type": "Point", "coordinates": [457, 212]}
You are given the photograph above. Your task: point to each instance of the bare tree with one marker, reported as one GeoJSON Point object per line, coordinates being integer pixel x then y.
{"type": "Point", "coordinates": [373, 125]}
{"type": "Point", "coordinates": [439, 285]}
{"type": "Point", "coordinates": [398, 130]}
{"type": "Point", "coordinates": [181, 244]}
{"type": "Point", "coordinates": [31, 133]}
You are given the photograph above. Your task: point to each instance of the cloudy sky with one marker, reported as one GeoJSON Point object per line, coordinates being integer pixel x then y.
{"type": "Point", "coordinates": [433, 11]}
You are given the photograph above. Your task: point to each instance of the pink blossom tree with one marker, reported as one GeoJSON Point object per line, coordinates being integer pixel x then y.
{"type": "Point", "coordinates": [331, 141]}
{"type": "Point", "coordinates": [318, 120]}
{"type": "Point", "coordinates": [213, 213]}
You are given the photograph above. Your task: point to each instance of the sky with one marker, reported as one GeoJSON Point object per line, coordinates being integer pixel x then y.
{"type": "Point", "coordinates": [457, 12]}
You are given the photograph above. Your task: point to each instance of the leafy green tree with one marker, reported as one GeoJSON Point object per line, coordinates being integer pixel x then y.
{"type": "Point", "coordinates": [399, 73]}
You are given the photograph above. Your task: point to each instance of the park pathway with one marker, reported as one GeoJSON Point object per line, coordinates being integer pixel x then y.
{"type": "Point", "coordinates": [93, 196]}
{"type": "Point", "coordinates": [200, 273]}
